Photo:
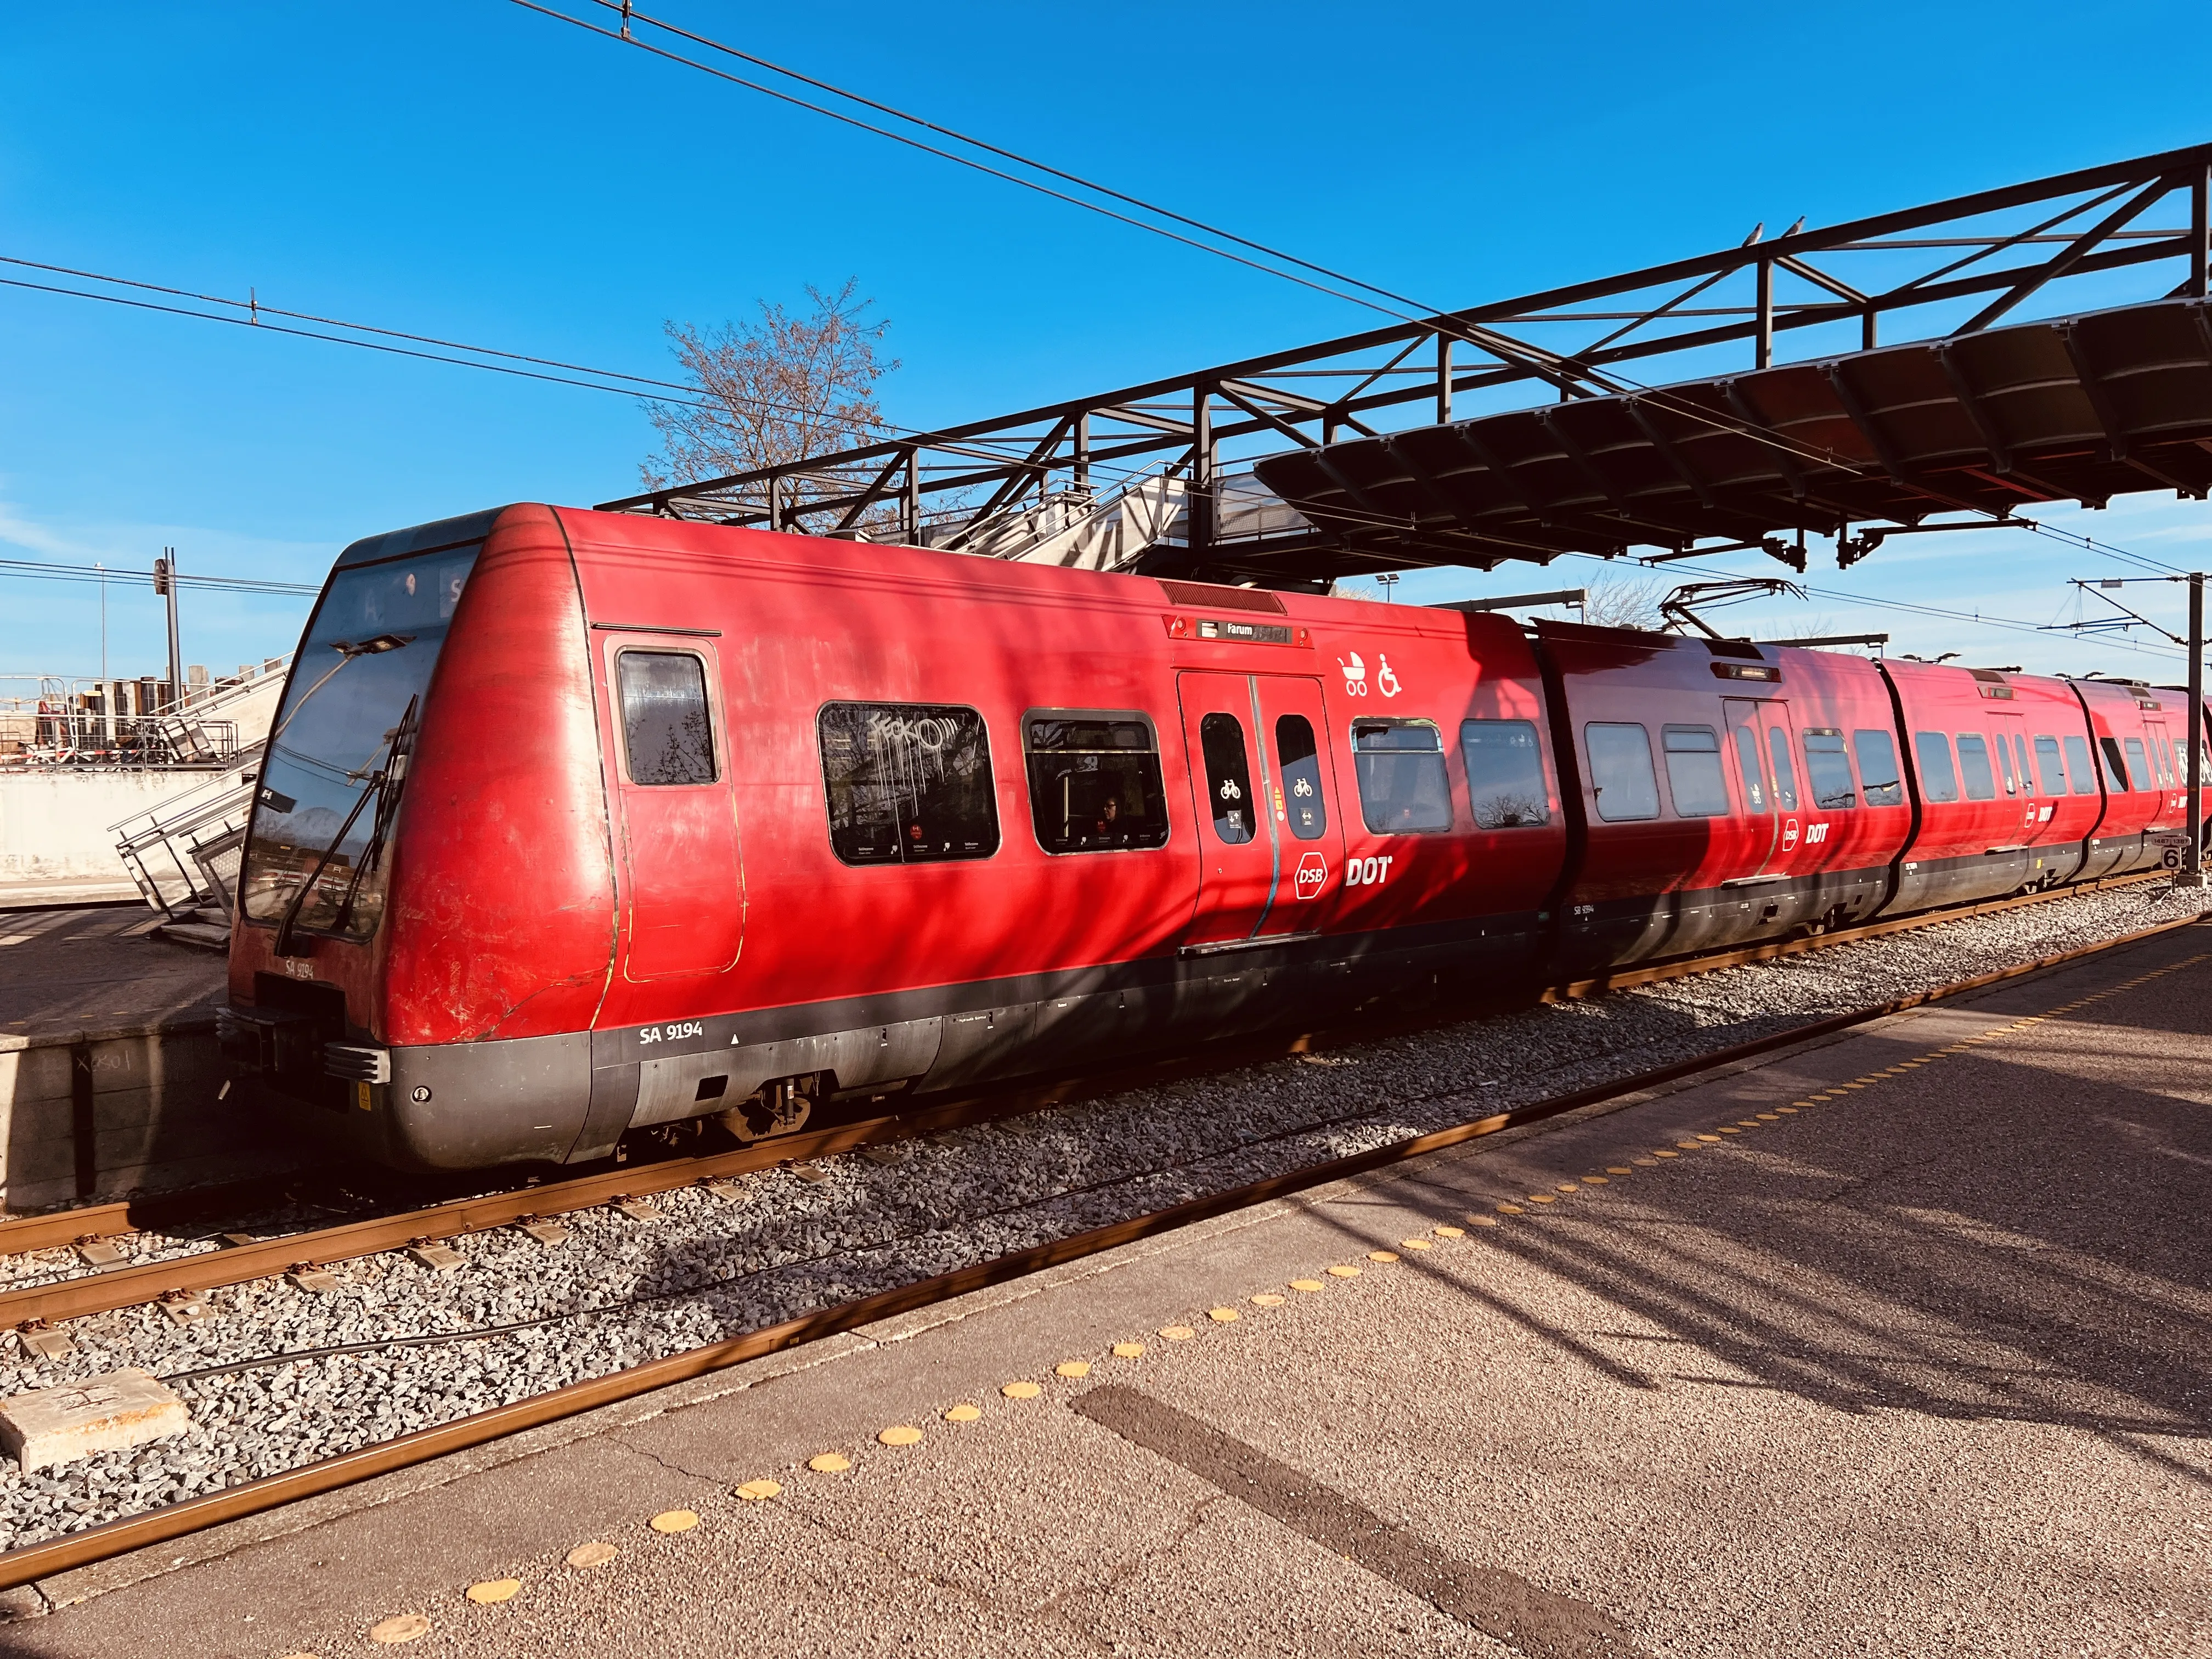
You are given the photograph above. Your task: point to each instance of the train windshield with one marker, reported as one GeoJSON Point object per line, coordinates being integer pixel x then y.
{"type": "Point", "coordinates": [316, 854]}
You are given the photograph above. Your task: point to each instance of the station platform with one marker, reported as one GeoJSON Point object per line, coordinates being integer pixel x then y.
{"type": "Point", "coordinates": [110, 1078]}
{"type": "Point", "coordinates": [1897, 1342]}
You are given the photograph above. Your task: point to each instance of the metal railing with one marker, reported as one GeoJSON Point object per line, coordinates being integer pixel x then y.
{"type": "Point", "coordinates": [184, 854]}
{"type": "Point", "coordinates": [131, 724]}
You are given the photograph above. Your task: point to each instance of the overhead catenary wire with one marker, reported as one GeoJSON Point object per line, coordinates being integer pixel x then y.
{"type": "Point", "coordinates": [39, 569]}
{"type": "Point", "coordinates": [1536, 360]}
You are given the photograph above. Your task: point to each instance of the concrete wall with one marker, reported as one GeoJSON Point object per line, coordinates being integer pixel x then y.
{"type": "Point", "coordinates": [54, 820]}
{"type": "Point", "coordinates": [102, 1115]}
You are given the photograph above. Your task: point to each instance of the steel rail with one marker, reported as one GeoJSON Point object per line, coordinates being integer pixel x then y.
{"type": "Point", "coordinates": [105, 1291]}
{"type": "Point", "coordinates": [33, 1562]}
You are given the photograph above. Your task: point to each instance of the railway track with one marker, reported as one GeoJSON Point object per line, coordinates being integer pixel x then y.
{"type": "Point", "coordinates": [31, 1307]}
{"type": "Point", "coordinates": [43, 1560]}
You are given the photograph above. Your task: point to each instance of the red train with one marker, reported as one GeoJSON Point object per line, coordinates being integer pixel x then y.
{"type": "Point", "coordinates": [577, 822]}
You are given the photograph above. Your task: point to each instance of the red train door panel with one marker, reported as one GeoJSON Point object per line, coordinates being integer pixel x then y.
{"type": "Point", "coordinates": [2008, 737]}
{"type": "Point", "coordinates": [1755, 777]}
{"type": "Point", "coordinates": [1269, 839]}
{"type": "Point", "coordinates": [1301, 801]}
{"type": "Point", "coordinates": [682, 885]}
{"type": "Point", "coordinates": [1767, 758]}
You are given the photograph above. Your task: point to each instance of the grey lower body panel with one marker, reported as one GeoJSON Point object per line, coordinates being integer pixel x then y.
{"type": "Point", "coordinates": [1615, 933]}
{"type": "Point", "coordinates": [455, 1105]}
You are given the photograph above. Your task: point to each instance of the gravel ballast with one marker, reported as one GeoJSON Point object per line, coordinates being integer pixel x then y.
{"type": "Point", "coordinates": [620, 1292]}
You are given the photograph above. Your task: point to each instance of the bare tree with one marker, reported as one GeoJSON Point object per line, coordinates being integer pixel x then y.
{"type": "Point", "coordinates": [773, 390]}
{"type": "Point", "coordinates": [1622, 602]}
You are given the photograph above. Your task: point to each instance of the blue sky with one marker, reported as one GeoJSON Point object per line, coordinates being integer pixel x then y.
{"type": "Point", "coordinates": [478, 172]}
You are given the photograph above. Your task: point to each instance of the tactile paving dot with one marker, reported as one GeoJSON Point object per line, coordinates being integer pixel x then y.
{"type": "Point", "coordinates": [674, 1521]}
{"type": "Point", "coordinates": [1128, 1350]}
{"type": "Point", "coordinates": [1616, 1169]}
{"type": "Point", "coordinates": [1221, 1315]}
{"type": "Point", "coordinates": [592, 1555]}
{"type": "Point", "coordinates": [492, 1590]}
{"type": "Point", "coordinates": [1072, 1368]}
{"type": "Point", "coordinates": [1482, 1220]}
{"type": "Point", "coordinates": [754, 1491]}
{"type": "Point", "coordinates": [400, 1627]}
{"type": "Point", "coordinates": [829, 1462]}
{"type": "Point", "coordinates": [1342, 1272]}
{"type": "Point", "coordinates": [1662, 1152]}
{"type": "Point", "coordinates": [1451, 1232]}
{"type": "Point", "coordinates": [901, 1434]}
{"type": "Point", "coordinates": [1177, 1333]}
{"type": "Point", "coordinates": [1266, 1300]}
{"type": "Point", "coordinates": [1382, 1255]}
{"type": "Point", "coordinates": [964, 1413]}
{"type": "Point", "coordinates": [1511, 1209]}
{"type": "Point", "coordinates": [1543, 1198]}
{"type": "Point", "coordinates": [1306, 1285]}
{"type": "Point", "coordinates": [1021, 1391]}
{"type": "Point", "coordinates": [1415, 1244]}
{"type": "Point", "coordinates": [1597, 1181]}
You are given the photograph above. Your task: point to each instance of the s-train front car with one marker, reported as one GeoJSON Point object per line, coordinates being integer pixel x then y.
{"type": "Point", "coordinates": [573, 824]}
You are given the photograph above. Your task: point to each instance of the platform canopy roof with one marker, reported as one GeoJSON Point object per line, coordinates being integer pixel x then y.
{"type": "Point", "coordinates": [2078, 409]}
{"type": "Point", "coordinates": [2059, 351]}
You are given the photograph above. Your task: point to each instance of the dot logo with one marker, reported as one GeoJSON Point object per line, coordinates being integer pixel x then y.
{"type": "Point", "coordinates": [1313, 875]}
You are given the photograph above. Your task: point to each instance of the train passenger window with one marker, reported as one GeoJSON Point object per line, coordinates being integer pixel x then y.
{"type": "Point", "coordinates": [1785, 773]}
{"type": "Point", "coordinates": [664, 709]}
{"type": "Point", "coordinates": [907, 783]}
{"type": "Point", "coordinates": [1228, 777]}
{"type": "Point", "coordinates": [2049, 767]}
{"type": "Point", "coordinates": [1094, 781]}
{"type": "Point", "coordinates": [2078, 767]}
{"type": "Point", "coordinates": [2020, 754]}
{"type": "Point", "coordinates": [1694, 771]}
{"type": "Point", "coordinates": [1938, 780]}
{"type": "Point", "coordinates": [1974, 766]}
{"type": "Point", "coordinates": [1298, 763]}
{"type": "Point", "coordinates": [1505, 773]}
{"type": "Point", "coordinates": [1620, 771]}
{"type": "Point", "coordinates": [2116, 769]}
{"type": "Point", "coordinates": [1400, 768]}
{"type": "Point", "coordinates": [2138, 769]}
{"type": "Point", "coordinates": [2004, 766]}
{"type": "Point", "coordinates": [1746, 763]}
{"type": "Point", "coordinates": [1878, 776]}
{"type": "Point", "coordinates": [2165, 760]}
{"type": "Point", "coordinates": [1828, 769]}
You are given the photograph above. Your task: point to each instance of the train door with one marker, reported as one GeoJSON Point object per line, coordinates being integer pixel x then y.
{"type": "Point", "coordinates": [2162, 770]}
{"type": "Point", "coordinates": [1775, 790]}
{"type": "Point", "coordinates": [683, 886]}
{"type": "Point", "coordinates": [1270, 840]}
{"type": "Point", "coordinates": [2009, 736]}
{"type": "Point", "coordinates": [1755, 779]}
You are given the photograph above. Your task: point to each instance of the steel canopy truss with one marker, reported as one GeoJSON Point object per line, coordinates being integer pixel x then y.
{"type": "Point", "coordinates": [1972, 416]}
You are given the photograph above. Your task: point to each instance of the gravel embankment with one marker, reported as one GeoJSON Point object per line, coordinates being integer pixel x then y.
{"type": "Point", "coordinates": [619, 1291]}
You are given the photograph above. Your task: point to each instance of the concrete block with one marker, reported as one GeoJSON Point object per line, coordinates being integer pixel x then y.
{"type": "Point", "coordinates": [127, 1407]}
